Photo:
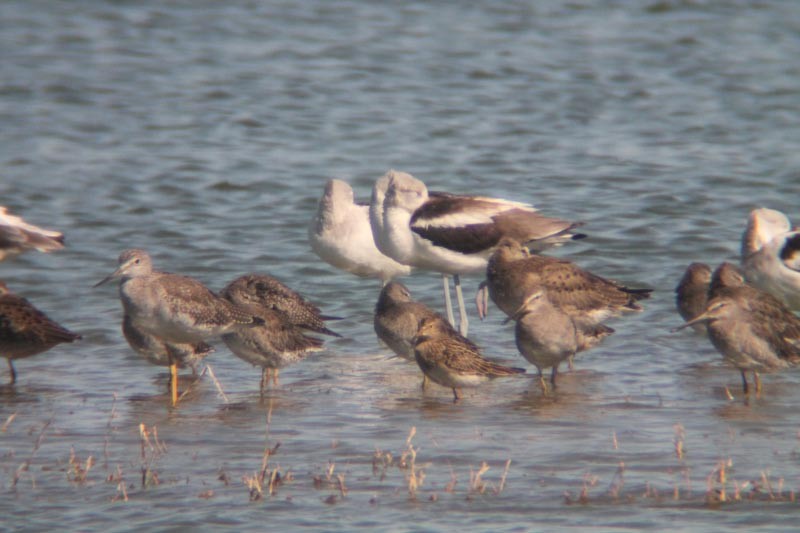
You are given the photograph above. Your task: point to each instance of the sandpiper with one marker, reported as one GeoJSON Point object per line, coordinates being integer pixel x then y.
{"type": "Point", "coordinates": [26, 331]}
{"type": "Point", "coordinates": [268, 292]}
{"type": "Point", "coordinates": [275, 344]}
{"type": "Point", "coordinates": [340, 234]}
{"type": "Point", "coordinates": [771, 255]}
{"type": "Point", "coordinates": [397, 319]}
{"type": "Point", "coordinates": [451, 360]}
{"type": "Point", "coordinates": [513, 275]}
{"type": "Point", "coordinates": [546, 335]}
{"type": "Point", "coordinates": [176, 309]}
{"type": "Point", "coordinates": [455, 234]}
{"type": "Point", "coordinates": [16, 236]}
{"type": "Point", "coordinates": [752, 329]}
{"type": "Point", "coordinates": [691, 294]}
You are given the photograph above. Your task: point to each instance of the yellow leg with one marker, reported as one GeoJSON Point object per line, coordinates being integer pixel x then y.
{"type": "Point", "coordinates": [757, 379]}
{"type": "Point", "coordinates": [544, 384]}
{"type": "Point", "coordinates": [173, 382]}
{"type": "Point", "coordinates": [275, 377]}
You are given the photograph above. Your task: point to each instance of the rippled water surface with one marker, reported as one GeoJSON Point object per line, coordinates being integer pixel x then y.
{"type": "Point", "coordinates": [204, 132]}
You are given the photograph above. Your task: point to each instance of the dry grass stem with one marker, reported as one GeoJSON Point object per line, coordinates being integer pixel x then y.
{"type": "Point", "coordinates": [24, 467]}
{"type": "Point", "coordinates": [476, 484]}
{"type": "Point", "coordinates": [216, 383]}
{"type": "Point", "coordinates": [78, 469]}
{"type": "Point", "coordinates": [680, 437]}
{"type": "Point", "coordinates": [151, 450]}
{"type": "Point", "coordinates": [503, 477]}
{"type": "Point", "coordinates": [617, 482]}
{"type": "Point", "coordinates": [8, 421]}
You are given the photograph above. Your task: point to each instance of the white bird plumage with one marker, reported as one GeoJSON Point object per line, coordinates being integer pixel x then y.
{"type": "Point", "coordinates": [341, 235]}
{"type": "Point", "coordinates": [771, 255]}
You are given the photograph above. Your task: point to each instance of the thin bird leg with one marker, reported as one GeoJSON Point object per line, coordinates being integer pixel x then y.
{"type": "Point", "coordinates": [173, 378]}
{"type": "Point", "coordinates": [553, 375]}
{"type": "Point", "coordinates": [463, 326]}
{"type": "Point", "coordinates": [13, 372]}
{"type": "Point", "coordinates": [456, 395]}
{"type": "Point", "coordinates": [275, 377]}
{"type": "Point", "coordinates": [264, 380]}
{"type": "Point", "coordinates": [448, 304]}
{"type": "Point", "coordinates": [757, 379]}
{"type": "Point", "coordinates": [482, 300]}
{"type": "Point", "coordinates": [424, 381]}
{"type": "Point", "coordinates": [543, 382]}
{"type": "Point", "coordinates": [745, 388]}
{"type": "Point", "coordinates": [570, 363]}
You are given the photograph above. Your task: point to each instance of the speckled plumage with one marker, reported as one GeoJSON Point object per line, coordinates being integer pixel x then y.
{"type": "Point", "coordinates": [173, 308]}
{"type": "Point", "coordinates": [455, 234]}
{"type": "Point", "coordinates": [752, 329]}
{"type": "Point", "coordinates": [275, 344]}
{"type": "Point", "coordinates": [546, 336]}
{"type": "Point", "coordinates": [451, 360]}
{"type": "Point", "coordinates": [397, 319]}
{"type": "Point", "coordinates": [26, 331]}
{"type": "Point", "coordinates": [269, 293]}
{"type": "Point", "coordinates": [513, 275]}
{"type": "Point", "coordinates": [17, 236]}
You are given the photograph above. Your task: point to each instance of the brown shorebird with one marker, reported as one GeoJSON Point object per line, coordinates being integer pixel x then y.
{"type": "Point", "coordinates": [752, 329]}
{"type": "Point", "coordinates": [451, 360]}
{"type": "Point", "coordinates": [455, 234]}
{"type": "Point", "coordinates": [176, 309]}
{"type": "Point", "coordinates": [340, 234]}
{"type": "Point", "coordinates": [771, 255]}
{"type": "Point", "coordinates": [691, 294]}
{"type": "Point", "coordinates": [267, 292]}
{"type": "Point", "coordinates": [546, 335]}
{"type": "Point", "coordinates": [16, 236]}
{"type": "Point", "coordinates": [513, 275]}
{"type": "Point", "coordinates": [275, 344]}
{"type": "Point", "coordinates": [26, 331]}
{"type": "Point", "coordinates": [397, 319]}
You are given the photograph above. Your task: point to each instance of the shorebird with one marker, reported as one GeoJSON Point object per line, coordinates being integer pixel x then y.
{"type": "Point", "coordinates": [176, 309]}
{"type": "Point", "coordinates": [771, 255]}
{"type": "Point", "coordinates": [455, 234]}
{"type": "Point", "coordinates": [691, 294]}
{"type": "Point", "coordinates": [397, 319]}
{"type": "Point", "coordinates": [26, 331]}
{"type": "Point", "coordinates": [752, 329]}
{"type": "Point", "coordinates": [341, 235]}
{"type": "Point", "coordinates": [546, 335]}
{"type": "Point", "coordinates": [451, 360]}
{"type": "Point", "coordinates": [275, 344]}
{"type": "Point", "coordinates": [513, 274]}
{"type": "Point", "coordinates": [269, 293]}
{"type": "Point", "coordinates": [16, 236]}
{"type": "Point", "coordinates": [157, 352]}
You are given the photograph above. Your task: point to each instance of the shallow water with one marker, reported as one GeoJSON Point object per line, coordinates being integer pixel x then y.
{"type": "Point", "coordinates": [204, 132]}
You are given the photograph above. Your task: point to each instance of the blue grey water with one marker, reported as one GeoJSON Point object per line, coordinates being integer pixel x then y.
{"type": "Point", "coordinates": [204, 132]}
